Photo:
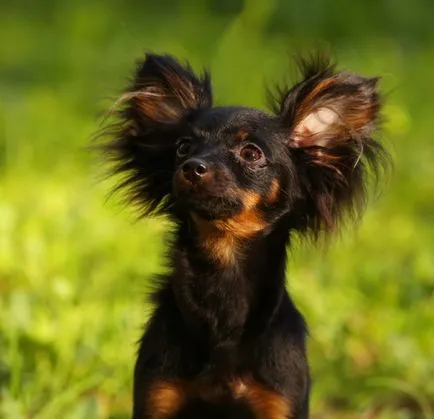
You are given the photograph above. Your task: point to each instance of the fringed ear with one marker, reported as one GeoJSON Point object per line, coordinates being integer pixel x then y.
{"type": "Point", "coordinates": [330, 119]}
{"type": "Point", "coordinates": [164, 92]}
{"type": "Point", "coordinates": [153, 114]}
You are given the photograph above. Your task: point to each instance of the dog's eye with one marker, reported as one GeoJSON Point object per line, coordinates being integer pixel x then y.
{"type": "Point", "coordinates": [184, 148]}
{"type": "Point", "coordinates": [251, 153]}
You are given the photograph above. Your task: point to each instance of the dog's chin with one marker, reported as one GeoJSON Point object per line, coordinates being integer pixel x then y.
{"type": "Point", "coordinates": [209, 208]}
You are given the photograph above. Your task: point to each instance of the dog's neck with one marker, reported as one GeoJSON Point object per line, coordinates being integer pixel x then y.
{"type": "Point", "coordinates": [227, 254]}
{"type": "Point", "coordinates": [219, 297]}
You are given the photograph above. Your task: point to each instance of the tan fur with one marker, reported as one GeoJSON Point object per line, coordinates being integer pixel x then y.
{"type": "Point", "coordinates": [221, 239]}
{"type": "Point", "coordinates": [273, 193]}
{"type": "Point", "coordinates": [321, 120]}
{"type": "Point", "coordinates": [308, 104]}
{"type": "Point", "coordinates": [309, 116]}
{"type": "Point", "coordinates": [163, 103]}
{"type": "Point", "coordinates": [241, 134]}
{"type": "Point", "coordinates": [165, 399]}
{"type": "Point", "coordinates": [361, 117]}
{"type": "Point", "coordinates": [265, 403]}
{"type": "Point", "coordinates": [220, 245]}
{"type": "Point", "coordinates": [183, 90]}
{"type": "Point", "coordinates": [158, 109]}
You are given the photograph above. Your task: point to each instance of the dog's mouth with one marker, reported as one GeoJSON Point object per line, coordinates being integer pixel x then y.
{"type": "Point", "coordinates": [208, 201]}
{"type": "Point", "coordinates": [206, 205]}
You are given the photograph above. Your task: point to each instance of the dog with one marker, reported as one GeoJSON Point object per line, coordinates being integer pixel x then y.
{"type": "Point", "coordinates": [225, 339]}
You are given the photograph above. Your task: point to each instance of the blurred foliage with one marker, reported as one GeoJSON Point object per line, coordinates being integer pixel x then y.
{"type": "Point", "coordinates": [74, 267]}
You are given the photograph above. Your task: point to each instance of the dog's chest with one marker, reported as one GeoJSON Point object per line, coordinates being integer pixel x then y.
{"type": "Point", "coordinates": [224, 300]}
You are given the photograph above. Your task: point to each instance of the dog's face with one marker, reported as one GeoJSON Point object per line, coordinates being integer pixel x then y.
{"type": "Point", "coordinates": [242, 169]}
{"type": "Point", "coordinates": [229, 162]}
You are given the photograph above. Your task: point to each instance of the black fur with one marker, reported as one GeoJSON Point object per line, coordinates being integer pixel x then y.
{"type": "Point", "coordinates": [223, 316]}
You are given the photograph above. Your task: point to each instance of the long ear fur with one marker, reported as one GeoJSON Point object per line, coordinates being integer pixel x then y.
{"type": "Point", "coordinates": [330, 120]}
{"type": "Point", "coordinates": [152, 115]}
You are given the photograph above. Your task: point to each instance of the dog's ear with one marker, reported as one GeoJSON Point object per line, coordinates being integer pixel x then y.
{"type": "Point", "coordinates": [164, 92]}
{"type": "Point", "coordinates": [153, 113]}
{"type": "Point", "coordinates": [330, 119]}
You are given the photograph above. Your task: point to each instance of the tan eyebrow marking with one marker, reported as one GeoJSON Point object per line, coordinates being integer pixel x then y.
{"type": "Point", "coordinates": [242, 134]}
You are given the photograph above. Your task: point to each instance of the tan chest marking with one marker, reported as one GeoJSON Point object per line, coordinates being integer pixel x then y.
{"type": "Point", "coordinates": [221, 239]}
{"type": "Point", "coordinates": [265, 403]}
{"type": "Point", "coordinates": [165, 399]}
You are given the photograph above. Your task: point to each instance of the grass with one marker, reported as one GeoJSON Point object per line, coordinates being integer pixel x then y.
{"type": "Point", "coordinates": [74, 267]}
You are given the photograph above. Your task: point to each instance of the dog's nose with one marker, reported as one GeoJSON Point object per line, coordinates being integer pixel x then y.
{"type": "Point", "coordinates": [194, 170]}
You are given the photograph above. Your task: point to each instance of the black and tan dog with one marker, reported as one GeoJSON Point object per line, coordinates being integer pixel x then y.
{"type": "Point", "coordinates": [225, 339]}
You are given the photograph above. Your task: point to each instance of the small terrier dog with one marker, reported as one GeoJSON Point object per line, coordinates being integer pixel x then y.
{"type": "Point", "coordinates": [225, 339]}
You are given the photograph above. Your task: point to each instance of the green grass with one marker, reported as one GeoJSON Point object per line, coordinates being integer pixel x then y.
{"type": "Point", "coordinates": [74, 267]}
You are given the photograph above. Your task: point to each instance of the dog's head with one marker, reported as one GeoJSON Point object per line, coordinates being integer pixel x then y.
{"type": "Point", "coordinates": [241, 169]}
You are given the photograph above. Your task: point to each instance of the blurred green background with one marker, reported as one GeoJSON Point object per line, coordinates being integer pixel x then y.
{"type": "Point", "coordinates": [74, 267]}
